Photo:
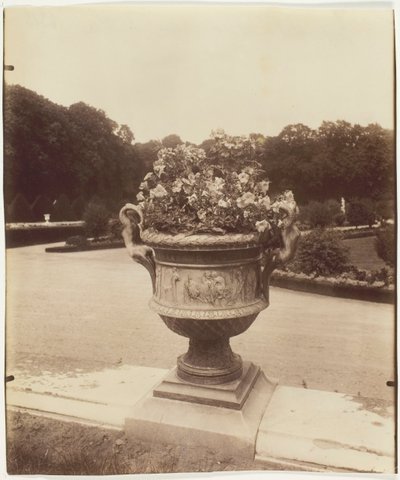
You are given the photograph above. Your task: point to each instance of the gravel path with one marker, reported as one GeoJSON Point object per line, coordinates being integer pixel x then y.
{"type": "Point", "coordinates": [83, 311]}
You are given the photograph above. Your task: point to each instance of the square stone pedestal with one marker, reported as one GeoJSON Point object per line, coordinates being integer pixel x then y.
{"type": "Point", "coordinates": [221, 417]}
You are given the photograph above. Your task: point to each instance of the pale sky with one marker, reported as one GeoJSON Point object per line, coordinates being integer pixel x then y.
{"type": "Point", "coordinates": [188, 69]}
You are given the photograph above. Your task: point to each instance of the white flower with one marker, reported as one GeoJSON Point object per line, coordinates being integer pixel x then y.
{"type": "Point", "coordinates": [159, 169]}
{"type": "Point", "coordinates": [262, 226]}
{"type": "Point", "coordinates": [246, 199]}
{"type": "Point", "coordinates": [223, 204]}
{"type": "Point", "coordinates": [219, 183]}
{"type": "Point", "coordinates": [140, 197]}
{"type": "Point", "coordinates": [202, 215]}
{"type": "Point", "coordinates": [285, 202]}
{"type": "Point", "coordinates": [192, 199]}
{"type": "Point", "coordinates": [148, 175]}
{"type": "Point", "coordinates": [246, 214]}
{"type": "Point", "coordinates": [177, 185]}
{"type": "Point", "coordinates": [144, 186]}
{"type": "Point", "coordinates": [265, 202]}
{"type": "Point", "coordinates": [243, 177]}
{"type": "Point", "coordinates": [158, 192]}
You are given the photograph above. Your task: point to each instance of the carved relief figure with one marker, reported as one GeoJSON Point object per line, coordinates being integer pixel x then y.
{"type": "Point", "coordinates": [211, 289]}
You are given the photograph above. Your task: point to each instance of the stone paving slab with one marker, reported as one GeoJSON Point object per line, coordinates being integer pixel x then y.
{"type": "Point", "coordinates": [309, 430]}
{"type": "Point", "coordinates": [324, 428]}
{"type": "Point", "coordinates": [103, 398]}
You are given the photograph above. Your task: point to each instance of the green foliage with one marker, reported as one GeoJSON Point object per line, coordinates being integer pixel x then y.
{"type": "Point", "coordinates": [339, 219]}
{"type": "Point", "coordinates": [319, 214]}
{"type": "Point", "coordinates": [360, 212]}
{"type": "Point", "coordinates": [20, 210]}
{"type": "Point", "coordinates": [77, 241]}
{"type": "Point", "coordinates": [385, 209]}
{"type": "Point", "coordinates": [62, 210]}
{"type": "Point", "coordinates": [49, 149]}
{"type": "Point", "coordinates": [336, 160]}
{"type": "Point", "coordinates": [115, 229]}
{"type": "Point", "coordinates": [385, 245]}
{"type": "Point", "coordinates": [171, 141]}
{"type": "Point", "coordinates": [96, 217]}
{"type": "Point", "coordinates": [321, 252]}
{"type": "Point", "coordinates": [189, 191]}
{"type": "Point", "coordinates": [78, 207]}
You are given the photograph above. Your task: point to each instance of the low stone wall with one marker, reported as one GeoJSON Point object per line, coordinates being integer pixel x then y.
{"type": "Point", "coordinates": [21, 235]}
{"type": "Point", "coordinates": [323, 287]}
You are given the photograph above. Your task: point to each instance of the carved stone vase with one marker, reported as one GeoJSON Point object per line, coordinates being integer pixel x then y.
{"type": "Point", "coordinates": [207, 288]}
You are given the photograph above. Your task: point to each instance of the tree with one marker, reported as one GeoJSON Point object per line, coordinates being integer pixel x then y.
{"type": "Point", "coordinates": [52, 150]}
{"type": "Point", "coordinates": [320, 214]}
{"type": "Point", "coordinates": [96, 217]}
{"type": "Point", "coordinates": [336, 160]}
{"type": "Point", "coordinates": [62, 210]}
{"type": "Point", "coordinates": [125, 134]}
{"type": "Point", "coordinates": [147, 154]}
{"type": "Point", "coordinates": [385, 245]}
{"type": "Point", "coordinates": [171, 141]}
{"type": "Point", "coordinates": [360, 212]}
{"type": "Point", "coordinates": [40, 206]}
{"type": "Point", "coordinates": [20, 210]}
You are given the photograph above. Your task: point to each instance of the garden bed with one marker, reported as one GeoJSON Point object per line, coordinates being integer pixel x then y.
{"type": "Point", "coordinates": [91, 245]}
{"type": "Point", "coordinates": [356, 290]}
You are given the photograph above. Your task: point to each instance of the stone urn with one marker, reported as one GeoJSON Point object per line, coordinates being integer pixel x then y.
{"type": "Point", "coordinates": [207, 288]}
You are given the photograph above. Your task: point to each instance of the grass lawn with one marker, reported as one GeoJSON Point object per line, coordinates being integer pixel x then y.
{"type": "Point", "coordinates": [39, 445]}
{"type": "Point", "coordinates": [362, 253]}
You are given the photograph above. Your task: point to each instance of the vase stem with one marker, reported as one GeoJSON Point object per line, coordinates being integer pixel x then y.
{"type": "Point", "coordinates": [209, 361]}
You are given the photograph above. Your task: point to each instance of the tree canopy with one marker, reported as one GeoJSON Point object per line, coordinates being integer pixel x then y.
{"type": "Point", "coordinates": [336, 160]}
{"type": "Point", "coordinates": [52, 150]}
{"type": "Point", "coordinates": [78, 151]}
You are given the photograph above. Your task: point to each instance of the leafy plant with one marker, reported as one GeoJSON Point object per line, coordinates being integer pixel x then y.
{"type": "Point", "coordinates": [96, 217]}
{"type": "Point", "coordinates": [114, 229]}
{"type": "Point", "coordinates": [222, 191]}
{"type": "Point", "coordinates": [321, 252]}
{"type": "Point", "coordinates": [385, 245]}
{"type": "Point", "coordinates": [76, 241]}
{"type": "Point", "coordinates": [320, 214]}
{"type": "Point", "coordinates": [360, 212]}
{"type": "Point", "coordinates": [78, 207]}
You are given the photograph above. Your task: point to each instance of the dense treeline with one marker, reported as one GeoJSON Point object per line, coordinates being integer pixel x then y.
{"type": "Point", "coordinates": [336, 160]}
{"type": "Point", "coordinates": [78, 153]}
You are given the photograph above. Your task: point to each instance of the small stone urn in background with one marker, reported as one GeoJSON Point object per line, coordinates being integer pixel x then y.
{"type": "Point", "coordinates": [207, 288]}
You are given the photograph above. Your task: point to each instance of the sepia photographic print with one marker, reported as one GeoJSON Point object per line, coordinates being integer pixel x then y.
{"type": "Point", "coordinates": [199, 217]}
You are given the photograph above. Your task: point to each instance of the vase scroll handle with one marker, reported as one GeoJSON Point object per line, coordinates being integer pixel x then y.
{"type": "Point", "coordinates": [279, 256]}
{"type": "Point", "coordinates": [131, 217]}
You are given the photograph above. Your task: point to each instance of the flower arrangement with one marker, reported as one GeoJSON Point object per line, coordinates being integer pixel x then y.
{"type": "Point", "coordinates": [223, 191]}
